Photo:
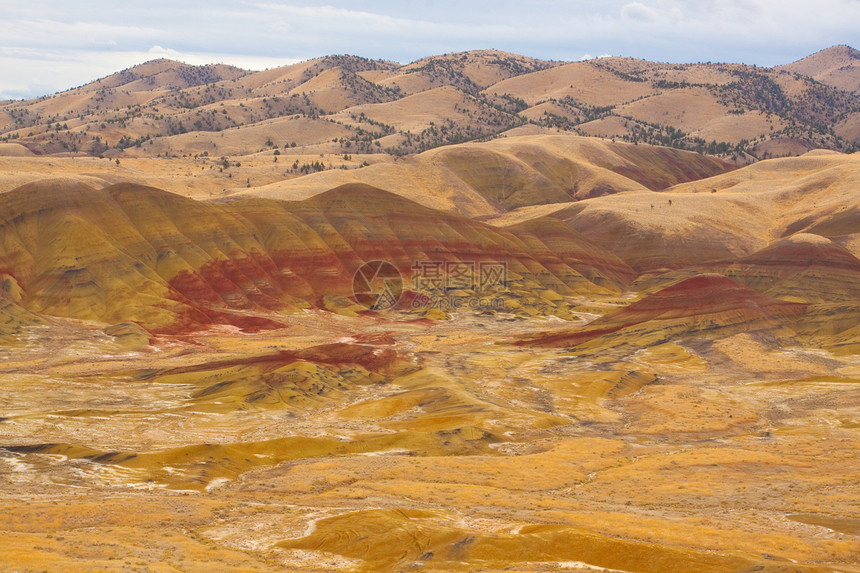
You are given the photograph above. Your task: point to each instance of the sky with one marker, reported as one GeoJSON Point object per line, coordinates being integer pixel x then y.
{"type": "Point", "coordinates": [51, 45]}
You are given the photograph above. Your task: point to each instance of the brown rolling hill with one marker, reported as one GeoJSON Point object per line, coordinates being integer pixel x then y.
{"type": "Point", "coordinates": [838, 66]}
{"type": "Point", "coordinates": [469, 71]}
{"type": "Point", "coordinates": [742, 113]}
{"type": "Point", "coordinates": [728, 109]}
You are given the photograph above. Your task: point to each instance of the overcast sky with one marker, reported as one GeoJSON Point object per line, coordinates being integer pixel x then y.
{"type": "Point", "coordinates": [52, 45]}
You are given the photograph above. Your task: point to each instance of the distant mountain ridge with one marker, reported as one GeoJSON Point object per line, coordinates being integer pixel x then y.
{"type": "Point", "coordinates": [838, 66]}
{"type": "Point", "coordinates": [349, 104]}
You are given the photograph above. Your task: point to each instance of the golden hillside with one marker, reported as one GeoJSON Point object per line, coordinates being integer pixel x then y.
{"type": "Point", "coordinates": [738, 112]}
{"type": "Point", "coordinates": [731, 214]}
{"type": "Point", "coordinates": [836, 66]}
{"type": "Point", "coordinates": [490, 178]}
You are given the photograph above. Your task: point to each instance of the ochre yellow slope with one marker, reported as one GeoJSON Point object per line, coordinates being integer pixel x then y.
{"type": "Point", "coordinates": [132, 253]}
{"type": "Point", "coordinates": [490, 178]}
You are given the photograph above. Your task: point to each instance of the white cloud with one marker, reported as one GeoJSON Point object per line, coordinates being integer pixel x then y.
{"type": "Point", "coordinates": [53, 45]}
{"type": "Point", "coordinates": [638, 12]}
{"type": "Point", "coordinates": [33, 73]}
{"type": "Point", "coordinates": [57, 34]}
{"type": "Point", "coordinates": [586, 57]}
{"type": "Point", "coordinates": [159, 52]}
{"type": "Point", "coordinates": [340, 17]}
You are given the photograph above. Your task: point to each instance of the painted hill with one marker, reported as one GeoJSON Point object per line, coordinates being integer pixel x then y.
{"type": "Point", "coordinates": [702, 305]}
{"type": "Point", "coordinates": [127, 253]}
{"type": "Point", "coordinates": [569, 217]}
{"type": "Point", "coordinates": [723, 218]}
{"type": "Point", "coordinates": [802, 268]}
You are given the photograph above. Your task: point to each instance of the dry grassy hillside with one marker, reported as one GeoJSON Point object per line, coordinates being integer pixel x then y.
{"type": "Point", "coordinates": [490, 178]}
{"type": "Point", "coordinates": [729, 215]}
{"type": "Point", "coordinates": [738, 112]}
{"type": "Point", "coordinates": [836, 66]}
{"type": "Point", "coordinates": [733, 110]}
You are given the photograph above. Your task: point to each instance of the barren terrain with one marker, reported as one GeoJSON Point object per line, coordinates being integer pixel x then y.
{"type": "Point", "coordinates": [582, 354]}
